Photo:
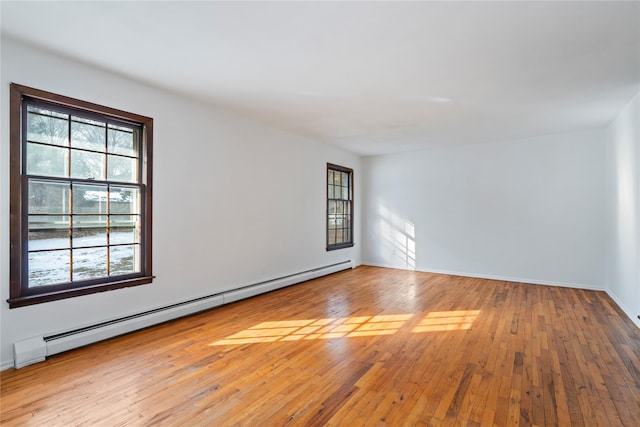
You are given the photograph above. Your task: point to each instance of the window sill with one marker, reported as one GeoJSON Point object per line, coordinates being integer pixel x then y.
{"type": "Point", "coordinates": [70, 293]}
{"type": "Point", "coordinates": [340, 246]}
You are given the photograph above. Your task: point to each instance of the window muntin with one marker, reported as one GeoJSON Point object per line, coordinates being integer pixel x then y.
{"type": "Point", "coordinates": [80, 197]}
{"type": "Point", "coordinates": [339, 207]}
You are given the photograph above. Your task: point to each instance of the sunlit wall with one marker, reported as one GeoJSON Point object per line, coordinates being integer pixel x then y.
{"type": "Point", "coordinates": [528, 210]}
{"type": "Point", "coordinates": [623, 209]}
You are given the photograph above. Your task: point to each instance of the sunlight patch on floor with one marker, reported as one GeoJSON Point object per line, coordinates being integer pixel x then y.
{"type": "Point", "coordinates": [310, 329]}
{"type": "Point", "coordinates": [349, 327]}
{"type": "Point", "coordinates": [447, 321]}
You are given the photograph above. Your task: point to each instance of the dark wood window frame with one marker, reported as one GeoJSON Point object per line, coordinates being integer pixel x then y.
{"type": "Point", "coordinates": [20, 294]}
{"type": "Point", "coordinates": [348, 202]}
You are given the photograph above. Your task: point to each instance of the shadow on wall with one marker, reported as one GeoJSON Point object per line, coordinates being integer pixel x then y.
{"type": "Point", "coordinates": [397, 235]}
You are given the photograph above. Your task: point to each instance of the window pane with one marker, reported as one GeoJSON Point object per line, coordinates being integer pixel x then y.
{"type": "Point", "coordinates": [48, 197]}
{"type": "Point", "coordinates": [48, 268]}
{"type": "Point", "coordinates": [124, 200]}
{"type": "Point", "coordinates": [47, 112]}
{"type": "Point", "coordinates": [89, 263]}
{"type": "Point", "coordinates": [47, 160]}
{"type": "Point", "coordinates": [330, 177]}
{"type": "Point", "coordinates": [345, 193]}
{"type": "Point", "coordinates": [121, 140]}
{"type": "Point", "coordinates": [88, 134]}
{"type": "Point", "coordinates": [330, 192]}
{"type": "Point", "coordinates": [48, 232]}
{"type": "Point", "coordinates": [122, 169]}
{"type": "Point", "coordinates": [47, 126]}
{"type": "Point", "coordinates": [332, 236]}
{"type": "Point", "coordinates": [338, 238]}
{"type": "Point", "coordinates": [124, 259]}
{"type": "Point", "coordinates": [89, 198]}
{"type": "Point", "coordinates": [87, 165]}
{"type": "Point", "coordinates": [89, 230]}
{"type": "Point", "coordinates": [124, 229]}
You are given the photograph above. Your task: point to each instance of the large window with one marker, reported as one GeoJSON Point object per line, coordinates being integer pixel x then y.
{"type": "Point", "coordinates": [339, 207]}
{"type": "Point", "coordinates": [80, 197]}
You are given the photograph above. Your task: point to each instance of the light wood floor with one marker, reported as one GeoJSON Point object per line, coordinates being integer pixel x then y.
{"type": "Point", "coordinates": [369, 347]}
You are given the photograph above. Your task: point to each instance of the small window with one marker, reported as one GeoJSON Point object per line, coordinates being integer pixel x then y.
{"type": "Point", "coordinates": [339, 207]}
{"type": "Point", "coordinates": [80, 197]}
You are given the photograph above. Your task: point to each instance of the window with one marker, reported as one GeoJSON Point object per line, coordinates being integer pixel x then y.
{"type": "Point", "coordinates": [339, 207]}
{"type": "Point", "coordinates": [80, 197]}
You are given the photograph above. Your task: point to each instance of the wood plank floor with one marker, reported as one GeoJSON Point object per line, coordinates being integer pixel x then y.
{"type": "Point", "coordinates": [368, 346]}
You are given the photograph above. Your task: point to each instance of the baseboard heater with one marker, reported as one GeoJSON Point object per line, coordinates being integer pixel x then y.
{"type": "Point", "coordinates": [33, 350]}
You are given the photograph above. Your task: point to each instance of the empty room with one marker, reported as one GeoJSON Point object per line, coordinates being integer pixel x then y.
{"type": "Point", "coordinates": [320, 213]}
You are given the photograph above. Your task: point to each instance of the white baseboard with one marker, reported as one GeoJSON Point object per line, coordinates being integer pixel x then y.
{"type": "Point", "coordinates": [7, 364]}
{"type": "Point", "coordinates": [625, 308]}
{"type": "Point", "coordinates": [495, 277]}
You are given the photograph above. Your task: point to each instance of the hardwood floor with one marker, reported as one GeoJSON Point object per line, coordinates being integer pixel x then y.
{"type": "Point", "coordinates": [368, 346]}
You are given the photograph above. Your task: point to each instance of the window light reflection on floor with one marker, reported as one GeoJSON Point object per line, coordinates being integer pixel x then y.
{"type": "Point", "coordinates": [349, 327]}
{"type": "Point", "coordinates": [310, 329]}
{"type": "Point", "coordinates": [447, 321]}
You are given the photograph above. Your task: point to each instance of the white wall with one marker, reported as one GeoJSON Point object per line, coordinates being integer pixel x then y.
{"type": "Point", "coordinates": [530, 210]}
{"type": "Point", "coordinates": [235, 202]}
{"type": "Point", "coordinates": [623, 209]}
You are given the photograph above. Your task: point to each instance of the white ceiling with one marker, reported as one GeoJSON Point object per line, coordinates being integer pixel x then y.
{"type": "Point", "coordinates": [370, 77]}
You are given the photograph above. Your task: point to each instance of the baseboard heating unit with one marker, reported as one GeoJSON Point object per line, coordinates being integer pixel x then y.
{"type": "Point", "coordinates": [36, 349]}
